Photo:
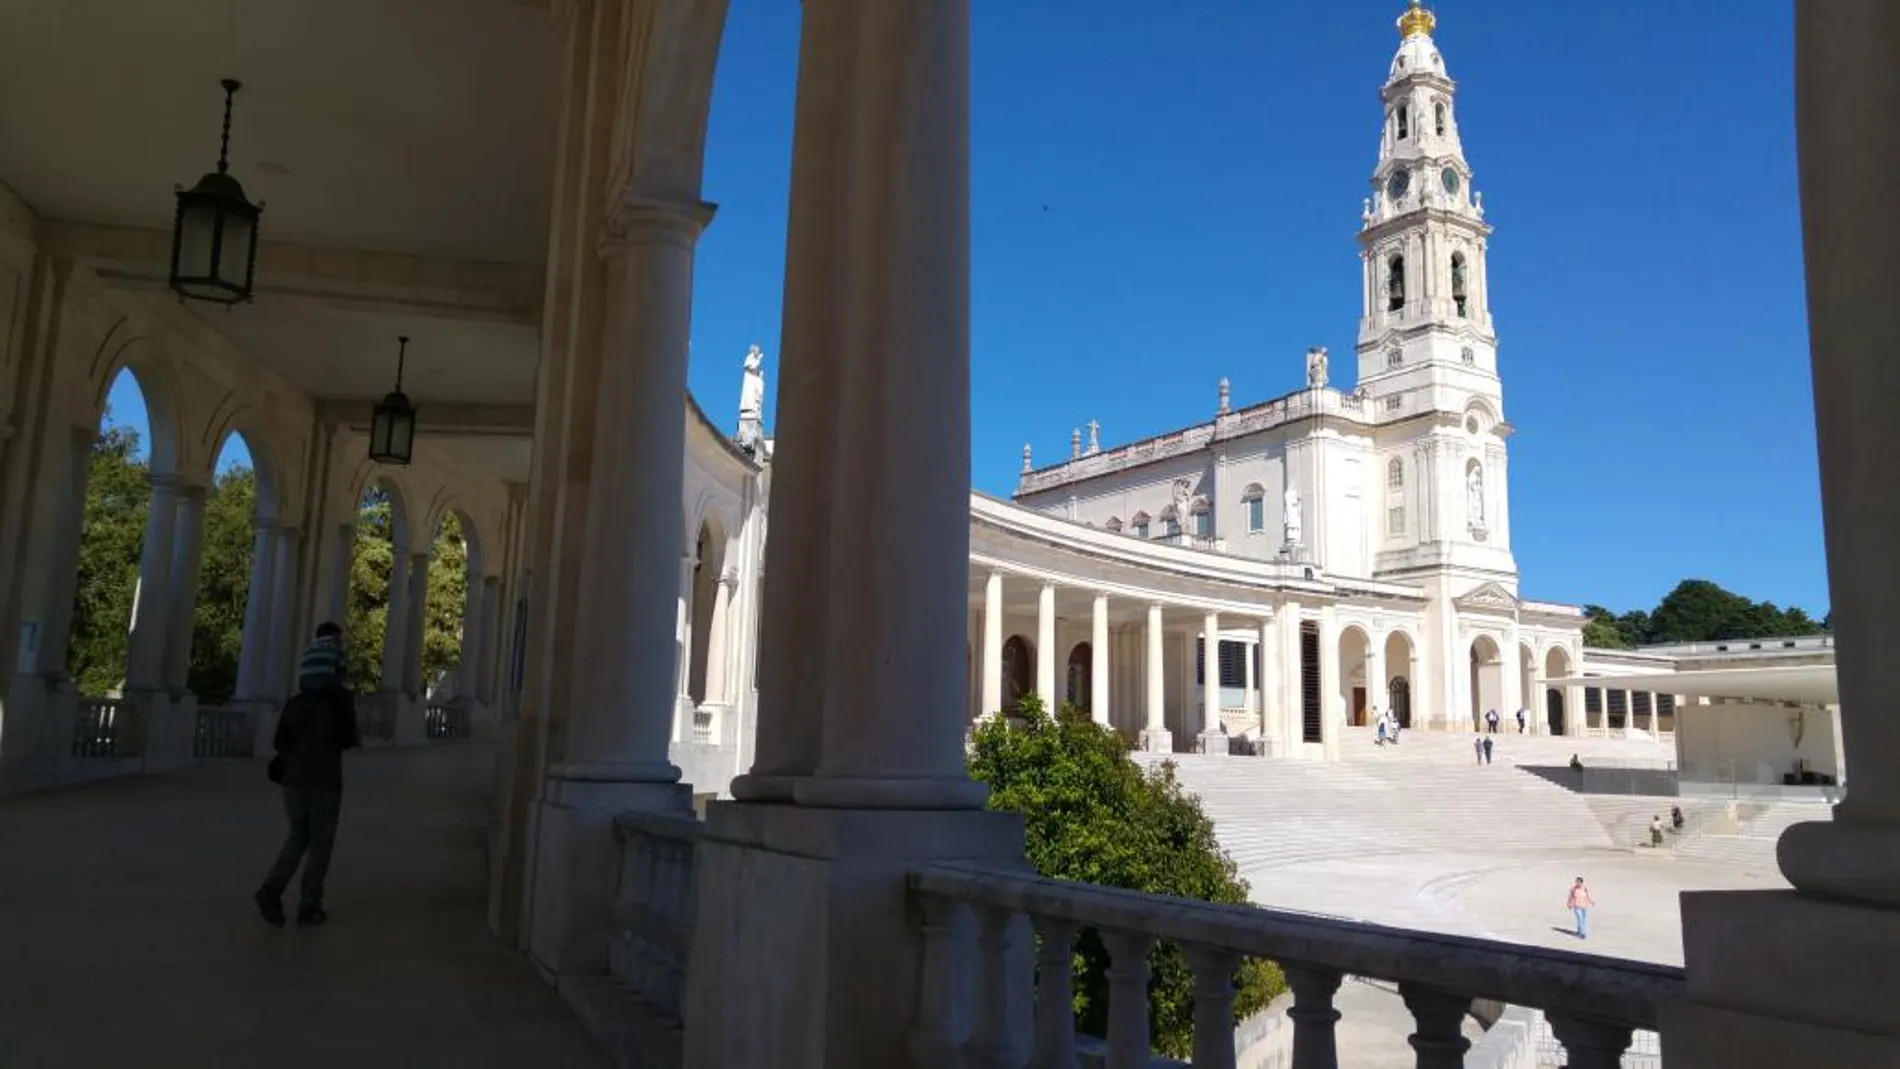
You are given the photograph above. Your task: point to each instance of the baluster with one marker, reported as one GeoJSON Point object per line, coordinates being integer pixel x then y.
{"type": "Point", "coordinates": [1130, 1044]}
{"type": "Point", "coordinates": [990, 1045]}
{"type": "Point", "coordinates": [1213, 1004]}
{"type": "Point", "coordinates": [935, 1039]}
{"type": "Point", "coordinates": [1055, 995]}
{"type": "Point", "coordinates": [1590, 1043]}
{"type": "Point", "coordinates": [1440, 1015]}
{"type": "Point", "coordinates": [1314, 1044]}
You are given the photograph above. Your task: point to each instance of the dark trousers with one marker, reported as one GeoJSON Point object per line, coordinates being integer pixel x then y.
{"type": "Point", "coordinates": [313, 814]}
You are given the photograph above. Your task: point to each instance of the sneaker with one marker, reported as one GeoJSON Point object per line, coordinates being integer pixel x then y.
{"type": "Point", "coordinates": [311, 916]}
{"type": "Point", "coordinates": [270, 906]}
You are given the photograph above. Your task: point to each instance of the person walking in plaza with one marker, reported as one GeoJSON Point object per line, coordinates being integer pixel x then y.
{"type": "Point", "coordinates": [1486, 741]}
{"type": "Point", "coordinates": [1580, 903]}
{"type": "Point", "coordinates": [1656, 831]}
{"type": "Point", "coordinates": [1491, 721]}
{"type": "Point", "coordinates": [1379, 739]}
{"type": "Point", "coordinates": [314, 729]}
{"type": "Point", "coordinates": [1523, 718]}
{"type": "Point", "coordinates": [1477, 749]}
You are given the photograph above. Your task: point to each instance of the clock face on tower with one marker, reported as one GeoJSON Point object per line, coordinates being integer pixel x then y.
{"type": "Point", "coordinates": [1451, 180]}
{"type": "Point", "coordinates": [1396, 185]}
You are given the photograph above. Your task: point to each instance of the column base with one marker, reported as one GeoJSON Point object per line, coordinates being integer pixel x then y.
{"type": "Point", "coordinates": [806, 943]}
{"type": "Point", "coordinates": [576, 859]}
{"type": "Point", "coordinates": [1777, 978]}
{"type": "Point", "coordinates": [1156, 740]}
{"type": "Point", "coordinates": [1212, 742]}
{"type": "Point", "coordinates": [411, 719]}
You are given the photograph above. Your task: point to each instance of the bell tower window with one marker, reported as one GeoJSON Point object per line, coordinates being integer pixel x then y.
{"type": "Point", "coordinates": [1395, 284]}
{"type": "Point", "coordinates": [1404, 122]}
{"type": "Point", "coordinates": [1458, 283]}
{"type": "Point", "coordinates": [1438, 116]}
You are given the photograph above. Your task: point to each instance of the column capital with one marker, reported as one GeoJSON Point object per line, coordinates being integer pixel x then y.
{"type": "Point", "coordinates": [638, 221]}
{"type": "Point", "coordinates": [729, 578]}
{"type": "Point", "coordinates": [166, 482]}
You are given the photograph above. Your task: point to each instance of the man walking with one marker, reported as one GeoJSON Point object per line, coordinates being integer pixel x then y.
{"type": "Point", "coordinates": [314, 729]}
{"type": "Point", "coordinates": [1523, 717]}
{"type": "Point", "coordinates": [1580, 903]}
{"type": "Point", "coordinates": [1487, 749]}
{"type": "Point", "coordinates": [1477, 749]}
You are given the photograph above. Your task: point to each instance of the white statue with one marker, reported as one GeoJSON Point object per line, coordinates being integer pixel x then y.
{"type": "Point", "coordinates": [1316, 367]}
{"type": "Point", "coordinates": [1292, 523]}
{"type": "Point", "coordinates": [752, 401]}
{"type": "Point", "coordinates": [1474, 496]}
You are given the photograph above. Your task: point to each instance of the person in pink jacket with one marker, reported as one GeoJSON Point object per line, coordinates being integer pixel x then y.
{"type": "Point", "coordinates": [1580, 903]}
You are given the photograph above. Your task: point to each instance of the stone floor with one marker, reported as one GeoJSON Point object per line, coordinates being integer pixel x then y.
{"type": "Point", "coordinates": [127, 934]}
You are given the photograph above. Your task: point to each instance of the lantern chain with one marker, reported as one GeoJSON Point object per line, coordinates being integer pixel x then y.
{"type": "Point", "coordinates": [231, 86]}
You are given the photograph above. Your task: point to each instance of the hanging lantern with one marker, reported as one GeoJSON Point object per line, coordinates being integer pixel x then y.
{"type": "Point", "coordinates": [214, 241]}
{"type": "Point", "coordinates": [392, 429]}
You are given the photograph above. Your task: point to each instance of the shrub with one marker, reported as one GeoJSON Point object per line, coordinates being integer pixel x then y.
{"type": "Point", "coordinates": [1094, 815]}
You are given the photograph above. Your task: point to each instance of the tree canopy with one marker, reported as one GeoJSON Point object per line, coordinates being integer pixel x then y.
{"type": "Point", "coordinates": [1093, 814]}
{"type": "Point", "coordinates": [1697, 610]}
{"type": "Point", "coordinates": [118, 497]}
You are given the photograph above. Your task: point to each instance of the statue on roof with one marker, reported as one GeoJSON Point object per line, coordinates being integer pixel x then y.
{"type": "Point", "coordinates": [752, 401]}
{"type": "Point", "coordinates": [1316, 367]}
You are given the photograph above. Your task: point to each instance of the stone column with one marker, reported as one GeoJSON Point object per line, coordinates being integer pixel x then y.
{"type": "Point", "coordinates": [415, 623]}
{"type": "Point", "coordinates": [492, 632]}
{"type": "Point", "coordinates": [254, 648]}
{"type": "Point", "coordinates": [151, 604]}
{"type": "Point", "coordinates": [1046, 647]}
{"type": "Point", "coordinates": [337, 602]}
{"type": "Point", "coordinates": [992, 645]}
{"type": "Point", "coordinates": [468, 657]}
{"type": "Point", "coordinates": [1272, 720]}
{"type": "Point", "coordinates": [1376, 696]}
{"type": "Point", "coordinates": [57, 608]}
{"type": "Point", "coordinates": [1331, 702]}
{"type": "Point", "coordinates": [1098, 661]}
{"type": "Point", "coordinates": [1210, 685]}
{"type": "Point", "coordinates": [719, 638]}
{"type": "Point", "coordinates": [877, 332]}
{"type": "Point", "coordinates": [1832, 999]}
{"type": "Point", "coordinates": [287, 632]}
{"type": "Point", "coordinates": [395, 629]}
{"type": "Point", "coordinates": [1292, 677]}
{"type": "Point", "coordinates": [1155, 738]}
{"type": "Point", "coordinates": [187, 553]}
{"type": "Point", "coordinates": [682, 720]}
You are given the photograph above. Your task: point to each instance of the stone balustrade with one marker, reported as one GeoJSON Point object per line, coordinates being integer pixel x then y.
{"type": "Point", "coordinates": [223, 732]}
{"type": "Point", "coordinates": [652, 930]}
{"type": "Point", "coordinates": [1593, 1004]}
{"type": "Point", "coordinates": [376, 716]}
{"type": "Point", "coordinates": [446, 722]}
{"type": "Point", "coordinates": [99, 727]}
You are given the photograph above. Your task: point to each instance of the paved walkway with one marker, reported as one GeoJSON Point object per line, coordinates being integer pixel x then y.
{"type": "Point", "coordinates": [127, 934]}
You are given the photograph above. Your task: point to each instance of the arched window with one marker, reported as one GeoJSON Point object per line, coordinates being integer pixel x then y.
{"type": "Point", "coordinates": [1081, 662]}
{"type": "Point", "coordinates": [1395, 283]}
{"type": "Point", "coordinates": [1395, 474]}
{"type": "Point", "coordinates": [1438, 114]}
{"type": "Point", "coordinates": [1114, 525]}
{"type": "Point", "coordinates": [1202, 519]}
{"type": "Point", "coordinates": [1405, 122]}
{"type": "Point", "coordinates": [1170, 522]}
{"type": "Point", "coordinates": [1139, 525]}
{"type": "Point", "coordinates": [1018, 656]}
{"type": "Point", "coordinates": [1458, 281]}
{"type": "Point", "coordinates": [1254, 498]}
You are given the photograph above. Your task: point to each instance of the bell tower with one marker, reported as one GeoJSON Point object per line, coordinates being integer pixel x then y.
{"type": "Point", "coordinates": [1426, 330]}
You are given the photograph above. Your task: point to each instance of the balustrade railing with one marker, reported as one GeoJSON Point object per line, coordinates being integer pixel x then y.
{"type": "Point", "coordinates": [1594, 1005]}
{"type": "Point", "coordinates": [99, 726]}
{"type": "Point", "coordinates": [223, 733]}
{"type": "Point", "coordinates": [653, 922]}
{"type": "Point", "coordinates": [446, 721]}
{"type": "Point", "coordinates": [376, 716]}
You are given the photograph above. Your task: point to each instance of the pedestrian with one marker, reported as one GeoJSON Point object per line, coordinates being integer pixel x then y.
{"type": "Point", "coordinates": [314, 729]}
{"type": "Point", "coordinates": [1523, 718]}
{"type": "Point", "coordinates": [1675, 818]}
{"type": "Point", "coordinates": [1487, 749]}
{"type": "Point", "coordinates": [1580, 904]}
{"type": "Point", "coordinates": [1491, 721]}
{"type": "Point", "coordinates": [1393, 719]}
{"type": "Point", "coordinates": [322, 662]}
{"type": "Point", "coordinates": [1477, 748]}
{"type": "Point", "coordinates": [1379, 740]}
{"type": "Point", "coordinates": [1656, 831]}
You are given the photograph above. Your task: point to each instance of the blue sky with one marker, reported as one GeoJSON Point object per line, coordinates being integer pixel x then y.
{"type": "Point", "coordinates": [1164, 195]}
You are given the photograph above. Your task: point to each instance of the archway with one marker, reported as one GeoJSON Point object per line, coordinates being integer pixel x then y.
{"type": "Point", "coordinates": [1399, 654]}
{"type": "Point", "coordinates": [446, 619]}
{"type": "Point", "coordinates": [1355, 689]}
{"type": "Point", "coordinates": [375, 647]}
{"type": "Point", "coordinates": [1527, 687]}
{"type": "Point", "coordinates": [1487, 680]}
{"type": "Point", "coordinates": [236, 573]}
{"type": "Point", "coordinates": [1018, 661]}
{"type": "Point", "coordinates": [1556, 666]}
{"type": "Point", "coordinates": [710, 560]}
{"type": "Point", "coordinates": [1077, 678]}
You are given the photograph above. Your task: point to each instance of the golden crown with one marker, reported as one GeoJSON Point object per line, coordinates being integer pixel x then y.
{"type": "Point", "coordinates": [1417, 20]}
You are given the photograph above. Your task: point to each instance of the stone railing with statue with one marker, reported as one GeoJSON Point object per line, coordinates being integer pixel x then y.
{"type": "Point", "coordinates": [1595, 1006]}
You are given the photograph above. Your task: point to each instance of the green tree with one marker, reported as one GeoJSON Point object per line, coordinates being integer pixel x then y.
{"type": "Point", "coordinates": [1600, 629]}
{"type": "Point", "coordinates": [118, 495]}
{"type": "Point", "coordinates": [224, 584]}
{"type": "Point", "coordinates": [1093, 814]}
{"type": "Point", "coordinates": [448, 591]}
{"type": "Point", "coordinates": [367, 614]}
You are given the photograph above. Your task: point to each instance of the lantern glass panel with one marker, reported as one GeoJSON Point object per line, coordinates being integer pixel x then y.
{"type": "Point", "coordinates": [379, 433]}
{"type": "Point", "coordinates": [402, 434]}
{"type": "Point", "coordinates": [197, 240]}
{"type": "Point", "coordinates": [234, 252]}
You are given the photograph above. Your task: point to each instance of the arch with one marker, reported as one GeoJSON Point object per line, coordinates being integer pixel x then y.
{"type": "Point", "coordinates": [1019, 658]}
{"type": "Point", "coordinates": [1395, 282]}
{"type": "Point", "coordinates": [269, 505]}
{"type": "Point", "coordinates": [1355, 689]}
{"type": "Point", "coordinates": [1139, 525]}
{"type": "Point", "coordinates": [1201, 518]}
{"type": "Point", "coordinates": [1487, 680]}
{"type": "Point", "coordinates": [1170, 522]}
{"type": "Point", "coordinates": [1556, 666]}
{"type": "Point", "coordinates": [1400, 651]}
{"type": "Point", "coordinates": [153, 369]}
{"type": "Point", "coordinates": [1402, 119]}
{"type": "Point", "coordinates": [1077, 677]}
{"type": "Point", "coordinates": [709, 560]}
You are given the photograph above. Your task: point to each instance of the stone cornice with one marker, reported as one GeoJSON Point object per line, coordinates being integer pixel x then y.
{"type": "Point", "coordinates": [636, 221]}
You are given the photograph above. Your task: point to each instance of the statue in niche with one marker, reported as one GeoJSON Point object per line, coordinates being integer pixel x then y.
{"type": "Point", "coordinates": [1181, 491]}
{"type": "Point", "coordinates": [1316, 367]}
{"type": "Point", "coordinates": [1292, 519]}
{"type": "Point", "coordinates": [1474, 496]}
{"type": "Point", "coordinates": [752, 401]}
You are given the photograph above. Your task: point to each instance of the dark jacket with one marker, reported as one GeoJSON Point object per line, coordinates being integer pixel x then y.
{"type": "Point", "coordinates": [315, 728]}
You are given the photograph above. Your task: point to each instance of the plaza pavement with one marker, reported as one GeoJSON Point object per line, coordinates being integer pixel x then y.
{"type": "Point", "coordinates": [128, 937]}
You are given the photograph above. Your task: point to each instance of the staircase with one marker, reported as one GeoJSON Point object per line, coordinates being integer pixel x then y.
{"type": "Point", "coordinates": [1753, 847]}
